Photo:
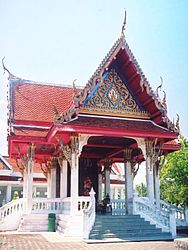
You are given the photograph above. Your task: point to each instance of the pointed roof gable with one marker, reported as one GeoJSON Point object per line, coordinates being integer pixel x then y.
{"type": "Point", "coordinates": [121, 60]}
{"type": "Point", "coordinates": [4, 164]}
{"type": "Point", "coordinates": [112, 97]}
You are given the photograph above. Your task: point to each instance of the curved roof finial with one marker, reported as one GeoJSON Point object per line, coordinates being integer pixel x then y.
{"type": "Point", "coordinates": [178, 123]}
{"type": "Point", "coordinates": [5, 69]}
{"type": "Point", "coordinates": [74, 88]}
{"type": "Point", "coordinates": [124, 23]}
{"type": "Point", "coordinates": [159, 87]}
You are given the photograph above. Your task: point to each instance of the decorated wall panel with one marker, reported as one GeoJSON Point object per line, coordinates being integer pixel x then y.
{"type": "Point", "coordinates": [112, 97]}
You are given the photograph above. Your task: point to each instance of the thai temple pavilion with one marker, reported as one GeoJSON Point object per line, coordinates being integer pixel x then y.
{"type": "Point", "coordinates": [76, 134]}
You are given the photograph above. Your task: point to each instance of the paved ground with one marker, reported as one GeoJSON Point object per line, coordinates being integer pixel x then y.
{"type": "Point", "coordinates": [54, 241]}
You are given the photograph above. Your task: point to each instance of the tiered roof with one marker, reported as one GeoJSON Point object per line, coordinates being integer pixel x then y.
{"type": "Point", "coordinates": [40, 111]}
{"type": "Point", "coordinates": [122, 59]}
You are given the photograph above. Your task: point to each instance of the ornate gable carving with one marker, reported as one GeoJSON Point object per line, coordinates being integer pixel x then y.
{"type": "Point", "coordinates": [112, 98]}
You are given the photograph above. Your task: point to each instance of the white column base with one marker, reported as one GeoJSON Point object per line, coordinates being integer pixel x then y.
{"type": "Point", "coordinates": [63, 180]}
{"type": "Point", "coordinates": [150, 180]}
{"type": "Point", "coordinates": [129, 188]}
{"type": "Point", "coordinates": [74, 185]}
{"type": "Point", "coordinates": [8, 193]}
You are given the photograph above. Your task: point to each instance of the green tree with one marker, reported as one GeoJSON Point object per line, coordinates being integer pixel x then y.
{"type": "Point", "coordinates": [174, 176]}
{"type": "Point", "coordinates": [141, 190]}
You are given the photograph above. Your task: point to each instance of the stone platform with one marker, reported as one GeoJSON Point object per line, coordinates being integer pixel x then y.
{"type": "Point", "coordinates": [48, 241]}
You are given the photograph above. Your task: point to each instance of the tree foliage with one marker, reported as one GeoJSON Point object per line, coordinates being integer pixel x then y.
{"type": "Point", "coordinates": [174, 176]}
{"type": "Point", "coordinates": [141, 190]}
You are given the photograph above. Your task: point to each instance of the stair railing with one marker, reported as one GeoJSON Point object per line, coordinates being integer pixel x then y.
{"type": "Point", "coordinates": [47, 205]}
{"type": "Point", "coordinates": [181, 214]}
{"type": "Point", "coordinates": [83, 203]}
{"type": "Point", "coordinates": [161, 218]}
{"type": "Point", "coordinates": [118, 206]}
{"type": "Point", "coordinates": [11, 208]}
{"type": "Point", "coordinates": [89, 215]}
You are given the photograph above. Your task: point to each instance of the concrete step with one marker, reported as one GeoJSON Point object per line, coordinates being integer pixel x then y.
{"type": "Point", "coordinates": [124, 226]}
{"type": "Point", "coordinates": [118, 220]}
{"type": "Point", "coordinates": [34, 223]}
{"type": "Point", "coordinates": [118, 217]}
{"type": "Point", "coordinates": [127, 227]}
{"type": "Point", "coordinates": [41, 222]}
{"type": "Point", "coordinates": [130, 235]}
{"type": "Point", "coordinates": [131, 239]}
{"type": "Point", "coordinates": [123, 223]}
{"type": "Point", "coordinates": [39, 228]}
{"type": "Point", "coordinates": [125, 230]}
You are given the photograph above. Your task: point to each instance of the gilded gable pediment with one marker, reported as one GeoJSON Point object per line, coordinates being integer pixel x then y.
{"type": "Point", "coordinates": [112, 97]}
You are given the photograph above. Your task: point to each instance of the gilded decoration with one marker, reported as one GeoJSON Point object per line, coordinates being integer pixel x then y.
{"type": "Point", "coordinates": [113, 98]}
{"type": "Point", "coordinates": [127, 155]}
{"type": "Point", "coordinates": [149, 147]}
{"type": "Point", "coordinates": [46, 167]}
{"type": "Point", "coordinates": [150, 151]}
{"type": "Point", "coordinates": [23, 161]}
{"type": "Point", "coordinates": [71, 148]}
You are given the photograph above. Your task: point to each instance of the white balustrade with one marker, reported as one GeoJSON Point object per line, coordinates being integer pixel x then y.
{"type": "Point", "coordinates": [163, 219]}
{"type": "Point", "coordinates": [14, 206]}
{"type": "Point", "coordinates": [151, 212]}
{"type": "Point", "coordinates": [118, 206]}
{"type": "Point", "coordinates": [47, 205]}
{"type": "Point", "coordinates": [83, 203]}
{"type": "Point", "coordinates": [180, 213]}
{"type": "Point", "coordinates": [58, 205]}
{"type": "Point", "coordinates": [89, 215]}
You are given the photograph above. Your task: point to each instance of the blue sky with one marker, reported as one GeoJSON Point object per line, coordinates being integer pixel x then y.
{"type": "Point", "coordinates": [59, 41]}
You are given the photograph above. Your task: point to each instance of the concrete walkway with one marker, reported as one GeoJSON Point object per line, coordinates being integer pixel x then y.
{"type": "Point", "coordinates": [47, 241]}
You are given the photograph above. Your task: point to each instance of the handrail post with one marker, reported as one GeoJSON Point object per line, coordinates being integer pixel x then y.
{"type": "Point", "coordinates": [85, 225]}
{"type": "Point", "coordinates": [134, 202]}
{"type": "Point", "coordinates": [89, 215]}
{"type": "Point", "coordinates": [172, 222]}
{"type": "Point", "coordinates": [186, 215]}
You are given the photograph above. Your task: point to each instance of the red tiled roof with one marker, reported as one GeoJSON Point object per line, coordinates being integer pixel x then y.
{"type": "Point", "coordinates": [30, 132]}
{"type": "Point", "coordinates": [172, 142]}
{"type": "Point", "coordinates": [117, 124]}
{"type": "Point", "coordinates": [35, 102]}
{"type": "Point", "coordinates": [171, 146]}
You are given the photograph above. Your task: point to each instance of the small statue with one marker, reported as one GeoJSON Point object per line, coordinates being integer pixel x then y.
{"type": "Point", "coordinates": [87, 186]}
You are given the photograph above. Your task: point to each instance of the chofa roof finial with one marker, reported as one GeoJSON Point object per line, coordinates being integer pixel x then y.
{"type": "Point", "coordinates": [5, 69]}
{"type": "Point", "coordinates": [159, 87]}
{"type": "Point", "coordinates": [178, 123]}
{"type": "Point", "coordinates": [74, 88]}
{"type": "Point", "coordinates": [124, 23]}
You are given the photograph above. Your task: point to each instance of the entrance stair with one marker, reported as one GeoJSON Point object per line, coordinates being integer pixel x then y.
{"type": "Point", "coordinates": [33, 223]}
{"type": "Point", "coordinates": [125, 228]}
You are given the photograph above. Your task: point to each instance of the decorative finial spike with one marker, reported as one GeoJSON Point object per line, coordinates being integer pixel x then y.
{"type": "Point", "coordinates": [5, 69]}
{"type": "Point", "coordinates": [159, 87]}
{"type": "Point", "coordinates": [124, 23]}
{"type": "Point", "coordinates": [177, 123]}
{"type": "Point", "coordinates": [74, 88]}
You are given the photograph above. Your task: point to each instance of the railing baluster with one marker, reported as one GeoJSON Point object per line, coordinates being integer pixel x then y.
{"type": "Point", "coordinates": [89, 215]}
